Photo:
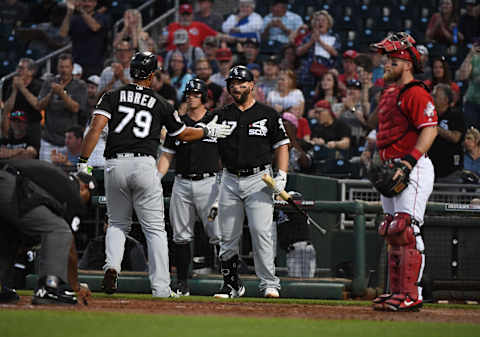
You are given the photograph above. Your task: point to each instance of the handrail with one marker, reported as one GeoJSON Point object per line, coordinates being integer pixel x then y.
{"type": "Point", "coordinates": [160, 18]}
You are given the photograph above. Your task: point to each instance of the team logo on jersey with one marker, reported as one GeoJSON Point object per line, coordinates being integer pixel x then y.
{"type": "Point", "coordinates": [429, 110]}
{"type": "Point", "coordinates": [258, 128]}
{"type": "Point", "coordinates": [194, 31]}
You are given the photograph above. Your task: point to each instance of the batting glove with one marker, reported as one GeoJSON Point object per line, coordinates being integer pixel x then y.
{"type": "Point", "coordinates": [85, 168]}
{"type": "Point", "coordinates": [214, 130]}
{"type": "Point", "coordinates": [280, 182]}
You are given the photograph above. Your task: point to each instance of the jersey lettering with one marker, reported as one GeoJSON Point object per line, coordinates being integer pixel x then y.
{"type": "Point", "coordinates": [258, 128]}
{"type": "Point", "coordinates": [129, 96]}
{"type": "Point", "coordinates": [143, 121]}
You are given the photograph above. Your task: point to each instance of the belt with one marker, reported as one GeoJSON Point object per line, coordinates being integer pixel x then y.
{"type": "Point", "coordinates": [393, 160]}
{"type": "Point", "coordinates": [245, 172]}
{"type": "Point", "coordinates": [197, 176]}
{"type": "Point", "coordinates": [127, 155]}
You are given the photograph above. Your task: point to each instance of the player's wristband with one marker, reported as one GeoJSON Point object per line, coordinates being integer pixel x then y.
{"type": "Point", "coordinates": [82, 160]}
{"type": "Point", "coordinates": [205, 132]}
{"type": "Point", "coordinates": [413, 157]}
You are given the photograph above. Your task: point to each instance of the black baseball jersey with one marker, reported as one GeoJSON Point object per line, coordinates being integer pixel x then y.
{"type": "Point", "coordinates": [257, 132]}
{"type": "Point", "coordinates": [136, 116]}
{"type": "Point", "coordinates": [200, 156]}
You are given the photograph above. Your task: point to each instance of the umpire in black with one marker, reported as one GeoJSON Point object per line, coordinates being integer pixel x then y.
{"type": "Point", "coordinates": [39, 199]}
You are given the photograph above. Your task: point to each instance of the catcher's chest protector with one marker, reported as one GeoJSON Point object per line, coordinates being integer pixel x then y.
{"type": "Point", "coordinates": [392, 123]}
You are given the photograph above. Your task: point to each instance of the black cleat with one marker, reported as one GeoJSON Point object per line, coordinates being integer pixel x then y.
{"type": "Point", "coordinates": [181, 288]}
{"type": "Point", "coordinates": [8, 296]}
{"type": "Point", "coordinates": [53, 291]}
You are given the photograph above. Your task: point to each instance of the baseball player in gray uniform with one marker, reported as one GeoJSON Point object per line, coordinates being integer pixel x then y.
{"type": "Point", "coordinates": [135, 115]}
{"type": "Point", "coordinates": [258, 136]}
{"type": "Point", "coordinates": [195, 189]}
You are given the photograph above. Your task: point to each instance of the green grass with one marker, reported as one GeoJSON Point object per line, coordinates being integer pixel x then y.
{"type": "Point", "coordinates": [41, 323]}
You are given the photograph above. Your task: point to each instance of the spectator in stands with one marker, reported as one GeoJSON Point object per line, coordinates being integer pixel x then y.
{"type": "Point", "coordinates": [63, 98]}
{"type": "Point", "coordinates": [96, 158]}
{"type": "Point", "coordinates": [224, 57]}
{"type": "Point", "coordinates": [73, 142]}
{"type": "Point", "coordinates": [207, 16]}
{"type": "Point", "coordinates": [290, 59]}
{"type": "Point", "coordinates": [286, 97]}
{"type": "Point", "coordinates": [248, 52]}
{"type": "Point", "coordinates": [354, 112]}
{"type": "Point", "coordinates": [77, 71]}
{"type": "Point", "coordinates": [210, 46]}
{"type": "Point", "coordinates": [318, 50]}
{"type": "Point", "coordinates": [328, 89]}
{"type": "Point", "coordinates": [45, 37]}
{"type": "Point", "coordinates": [446, 151]}
{"type": "Point", "coordinates": [12, 14]}
{"type": "Point", "coordinates": [197, 31]}
{"type": "Point", "coordinates": [329, 131]}
{"type": "Point", "coordinates": [271, 69]}
{"type": "Point", "coordinates": [19, 143]}
{"type": "Point", "coordinates": [179, 75]}
{"type": "Point", "coordinates": [245, 23]}
{"type": "Point", "coordinates": [133, 31]}
{"type": "Point", "coordinates": [22, 96]}
{"type": "Point", "coordinates": [378, 61]}
{"type": "Point", "coordinates": [299, 160]}
{"type": "Point", "coordinates": [443, 25]}
{"type": "Point", "coordinates": [349, 69]}
{"type": "Point", "coordinates": [190, 53]}
{"type": "Point", "coordinates": [203, 70]}
{"type": "Point", "coordinates": [88, 30]}
{"type": "Point", "coordinates": [441, 73]}
{"type": "Point", "coordinates": [470, 70]}
{"type": "Point", "coordinates": [41, 10]}
{"type": "Point", "coordinates": [469, 23]}
{"type": "Point", "coordinates": [472, 151]}
{"type": "Point", "coordinates": [93, 82]}
{"type": "Point", "coordinates": [118, 73]}
{"type": "Point", "coordinates": [427, 70]}
{"type": "Point", "coordinates": [163, 88]}
{"type": "Point", "coordinates": [280, 23]}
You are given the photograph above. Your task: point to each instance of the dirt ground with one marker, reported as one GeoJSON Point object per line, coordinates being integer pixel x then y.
{"type": "Point", "coordinates": [309, 311]}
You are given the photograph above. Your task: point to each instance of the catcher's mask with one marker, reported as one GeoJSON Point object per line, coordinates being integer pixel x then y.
{"type": "Point", "coordinates": [400, 45]}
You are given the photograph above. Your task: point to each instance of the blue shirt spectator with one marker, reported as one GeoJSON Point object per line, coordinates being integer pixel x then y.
{"type": "Point", "coordinates": [280, 23]}
{"type": "Point", "coordinates": [471, 160]}
{"type": "Point", "coordinates": [246, 23]}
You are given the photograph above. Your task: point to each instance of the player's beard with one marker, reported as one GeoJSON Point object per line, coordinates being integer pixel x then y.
{"type": "Point", "coordinates": [243, 97]}
{"type": "Point", "coordinates": [392, 76]}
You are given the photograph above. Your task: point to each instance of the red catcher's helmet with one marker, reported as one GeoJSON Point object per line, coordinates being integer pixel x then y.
{"type": "Point", "coordinates": [400, 45]}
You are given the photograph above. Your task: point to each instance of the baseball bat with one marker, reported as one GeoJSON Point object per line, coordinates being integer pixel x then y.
{"type": "Point", "coordinates": [267, 179]}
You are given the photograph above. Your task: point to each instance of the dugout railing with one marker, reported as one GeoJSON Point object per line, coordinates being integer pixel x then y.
{"type": "Point", "coordinates": [360, 189]}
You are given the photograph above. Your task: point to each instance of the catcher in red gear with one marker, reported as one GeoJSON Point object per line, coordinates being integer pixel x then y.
{"type": "Point", "coordinates": [407, 127]}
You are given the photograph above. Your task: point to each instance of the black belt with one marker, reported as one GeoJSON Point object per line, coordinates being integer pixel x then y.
{"type": "Point", "coordinates": [245, 172]}
{"type": "Point", "coordinates": [128, 155]}
{"type": "Point", "coordinates": [197, 176]}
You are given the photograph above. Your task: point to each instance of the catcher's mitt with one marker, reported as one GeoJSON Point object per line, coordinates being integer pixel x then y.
{"type": "Point", "coordinates": [381, 177]}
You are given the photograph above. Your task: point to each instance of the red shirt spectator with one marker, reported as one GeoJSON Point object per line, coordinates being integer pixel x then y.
{"type": "Point", "coordinates": [197, 31]}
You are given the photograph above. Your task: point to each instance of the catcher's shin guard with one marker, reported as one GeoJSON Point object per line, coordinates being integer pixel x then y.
{"type": "Point", "coordinates": [383, 228]}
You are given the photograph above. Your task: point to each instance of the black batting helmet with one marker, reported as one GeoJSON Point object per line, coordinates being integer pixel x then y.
{"type": "Point", "coordinates": [197, 85]}
{"type": "Point", "coordinates": [240, 73]}
{"type": "Point", "coordinates": [143, 64]}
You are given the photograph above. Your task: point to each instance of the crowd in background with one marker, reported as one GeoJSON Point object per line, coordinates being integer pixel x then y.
{"type": "Point", "coordinates": [311, 61]}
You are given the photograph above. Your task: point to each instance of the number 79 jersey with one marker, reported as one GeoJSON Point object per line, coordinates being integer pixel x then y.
{"type": "Point", "coordinates": [136, 116]}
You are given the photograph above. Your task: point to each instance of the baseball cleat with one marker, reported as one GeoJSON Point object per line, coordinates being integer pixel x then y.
{"type": "Point", "coordinates": [228, 291]}
{"type": "Point", "coordinates": [53, 291]}
{"type": "Point", "coordinates": [181, 288]}
{"type": "Point", "coordinates": [271, 293]}
{"type": "Point", "coordinates": [379, 302]}
{"type": "Point", "coordinates": [110, 281]}
{"type": "Point", "coordinates": [401, 302]}
{"type": "Point", "coordinates": [8, 296]}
